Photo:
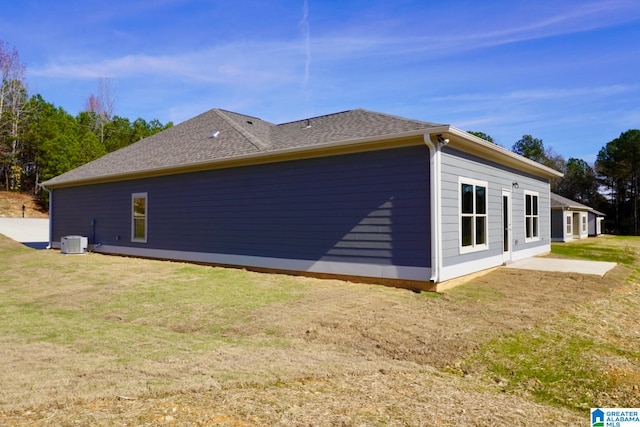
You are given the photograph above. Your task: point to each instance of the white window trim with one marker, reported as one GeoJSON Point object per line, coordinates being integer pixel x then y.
{"type": "Point", "coordinates": [537, 195]}
{"type": "Point", "coordinates": [146, 217]}
{"type": "Point", "coordinates": [474, 247]}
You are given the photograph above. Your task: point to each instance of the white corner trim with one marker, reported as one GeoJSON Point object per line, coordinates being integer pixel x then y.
{"type": "Point", "coordinates": [435, 187]}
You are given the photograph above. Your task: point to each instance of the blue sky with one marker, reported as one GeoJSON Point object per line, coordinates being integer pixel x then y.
{"type": "Point", "coordinates": [567, 72]}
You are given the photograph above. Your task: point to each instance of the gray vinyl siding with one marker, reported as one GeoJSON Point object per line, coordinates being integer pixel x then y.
{"type": "Point", "coordinates": [592, 220]}
{"type": "Point", "coordinates": [557, 224]}
{"type": "Point", "coordinates": [457, 164]}
{"type": "Point", "coordinates": [368, 207]}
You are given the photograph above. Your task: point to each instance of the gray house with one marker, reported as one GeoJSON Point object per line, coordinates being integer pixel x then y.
{"type": "Point", "coordinates": [356, 194]}
{"type": "Point", "coordinates": [572, 220]}
{"type": "Point", "coordinates": [595, 219]}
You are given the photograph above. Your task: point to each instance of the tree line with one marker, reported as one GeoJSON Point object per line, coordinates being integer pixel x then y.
{"type": "Point", "coordinates": [39, 141]}
{"type": "Point", "coordinates": [610, 185]}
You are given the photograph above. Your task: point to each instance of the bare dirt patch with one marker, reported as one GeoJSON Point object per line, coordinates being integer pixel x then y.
{"type": "Point", "coordinates": [11, 206]}
{"type": "Point", "coordinates": [430, 330]}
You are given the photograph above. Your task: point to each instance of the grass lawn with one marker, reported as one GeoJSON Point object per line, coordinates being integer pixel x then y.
{"type": "Point", "coordinates": [587, 357]}
{"type": "Point", "coordinates": [101, 340]}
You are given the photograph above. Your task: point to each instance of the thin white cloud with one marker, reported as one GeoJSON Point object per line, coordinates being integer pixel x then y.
{"type": "Point", "coordinates": [262, 61]}
{"type": "Point", "coordinates": [237, 62]}
{"type": "Point", "coordinates": [382, 61]}
{"type": "Point", "coordinates": [542, 94]}
{"type": "Point", "coordinates": [439, 39]}
{"type": "Point", "coordinates": [560, 19]}
{"type": "Point", "coordinates": [306, 35]}
{"type": "Point", "coordinates": [610, 90]}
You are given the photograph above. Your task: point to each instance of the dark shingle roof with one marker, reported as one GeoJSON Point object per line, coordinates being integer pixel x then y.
{"type": "Point", "coordinates": [558, 201]}
{"type": "Point", "coordinates": [345, 126]}
{"type": "Point", "coordinates": [191, 142]}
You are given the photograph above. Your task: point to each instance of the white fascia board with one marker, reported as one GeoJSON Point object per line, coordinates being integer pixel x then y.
{"type": "Point", "coordinates": [465, 140]}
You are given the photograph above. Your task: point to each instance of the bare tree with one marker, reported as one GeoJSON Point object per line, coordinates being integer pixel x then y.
{"type": "Point", "coordinates": [107, 97]}
{"type": "Point", "coordinates": [102, 105]}
{"type": "Point", "coordinates": [13, 99]}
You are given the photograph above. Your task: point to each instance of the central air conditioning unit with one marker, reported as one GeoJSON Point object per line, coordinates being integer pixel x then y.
{"type": "Point", "coordinates": [73, 245]}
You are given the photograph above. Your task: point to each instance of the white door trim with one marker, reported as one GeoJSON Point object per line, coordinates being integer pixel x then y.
{"type": "Point", "coordinates": [507, 229]}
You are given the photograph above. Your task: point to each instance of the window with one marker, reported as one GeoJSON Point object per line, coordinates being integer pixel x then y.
{"type": "Point", "coordinates": [569, 226]}
{"type": "Point", "coordinates": [584, 224]}
{"type": "Point", "coordinates": [531, 218]}
{"type": "Point", "coordinates": [473, 215]}
{"type": "Point", "coordinates": [139, 217]}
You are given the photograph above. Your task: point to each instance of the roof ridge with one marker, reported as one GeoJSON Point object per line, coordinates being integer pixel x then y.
{"type": "Point", "coordinates": [569, 202]}
{"type": "Point", "coordinates": [256, 142]}
{"type": "Point", "coordinates": [315, 117]}
{"type": "Point", "coordinates": [363, 110]}
{"type": "Point", "coordinates": [240, 114]}
{"type": "Point", "coordinates": [405, 119]}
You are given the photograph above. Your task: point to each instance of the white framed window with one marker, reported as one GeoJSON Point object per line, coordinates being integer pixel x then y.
{"type": "Point", "coordinates": [473, 215]}
{"type": "Point", "coordinates": [584, 224]}
{"type": "Point", "coordinates": [531, 217]}
{"type": "Point", "coordinates": [139, 217]}
{"type": "Point", "coordinates": [569, 231]}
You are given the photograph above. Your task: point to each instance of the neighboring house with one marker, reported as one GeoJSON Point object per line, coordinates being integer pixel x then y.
{"type": "Point", "coordinates": [572, 220]}
{"type": "Point", "coordinates": [357, 194]}
{"type": "Point", "coordinates": [595, 220]}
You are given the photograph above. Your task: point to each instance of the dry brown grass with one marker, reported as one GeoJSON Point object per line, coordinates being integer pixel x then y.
{"type": "Point", "coordinates": [11, 206]}
{"type": "Point", "coordinates": [99, 340]}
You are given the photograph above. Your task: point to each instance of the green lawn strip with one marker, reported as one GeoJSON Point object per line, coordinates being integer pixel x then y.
{"type": "Point", "coordinates": [581, 359]}
{"type": "Point", "coordinates": [554, 369]}
{"type": "Point", "coordinates": [610, 249]}
{"type": "Point", "coordinates": [568, 361]}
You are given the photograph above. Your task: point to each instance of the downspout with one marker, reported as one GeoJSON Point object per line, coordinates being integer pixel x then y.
{"type": "Point", "coordinates": [435, 186]}
{"type": "Point", "coordinates": [50, 214]}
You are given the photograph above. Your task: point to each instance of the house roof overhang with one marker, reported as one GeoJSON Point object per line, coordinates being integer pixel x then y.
{"type": "Point", "coordinates": [458, 139]}
{"type": "Point", "coordinates": [471, 144]}
{"type": "Point", "coordinates": [295, 153]}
